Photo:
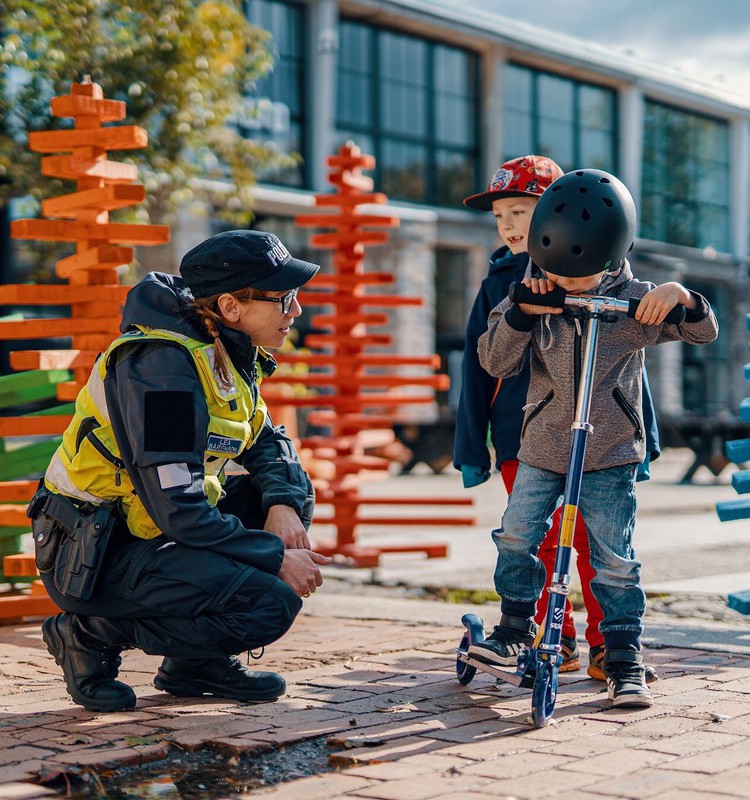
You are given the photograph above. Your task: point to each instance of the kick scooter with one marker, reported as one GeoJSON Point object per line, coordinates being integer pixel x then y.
{"type": "Point", "coordinates": [538, 665]}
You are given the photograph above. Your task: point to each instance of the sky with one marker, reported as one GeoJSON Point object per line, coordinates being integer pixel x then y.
{"type": "Point", "coordinates": [704, 39]}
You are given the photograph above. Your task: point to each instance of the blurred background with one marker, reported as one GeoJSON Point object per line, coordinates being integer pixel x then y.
{"type": "Point", "coordinates": [243, 102]}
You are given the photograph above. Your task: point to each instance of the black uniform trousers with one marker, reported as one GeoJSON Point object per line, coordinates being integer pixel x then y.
{"type": "Point", "coordinates": [186, 602]}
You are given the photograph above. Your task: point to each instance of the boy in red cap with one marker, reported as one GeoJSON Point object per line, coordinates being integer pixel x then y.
{"type": "Point", "coordinates": [497, 405]}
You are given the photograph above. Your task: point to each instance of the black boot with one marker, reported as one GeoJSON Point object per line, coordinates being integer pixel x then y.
{"type": "Point", "coordinates": [220, 677]}
{"type": "Point", "coordinates": [88, 650]}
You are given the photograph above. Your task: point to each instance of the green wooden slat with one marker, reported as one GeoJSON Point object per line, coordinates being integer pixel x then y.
{"type": "Point", "coordinates": [24, 461]}
{"type": "Point", "coordinates": [31, 385]}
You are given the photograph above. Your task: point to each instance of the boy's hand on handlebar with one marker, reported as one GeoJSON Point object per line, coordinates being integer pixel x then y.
{"type": "Point", "coordinates": [656, 304]}
{"type": "Point", "coordinates": [539, 286]}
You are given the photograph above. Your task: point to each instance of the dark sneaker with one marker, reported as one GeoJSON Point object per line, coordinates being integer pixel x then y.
{"type": "Point", "coordinates": [595, 668]}
{"type": "Point", "coordinates": [89, 666]}
{"type": "Point", "coordinates": [571, 657]}
{"type": "Point", "coordinates": [220, 677]}
{"type": "Point", "coordinates": [506, 641]}
{"type": "Point", "coordinates": [626, 680]}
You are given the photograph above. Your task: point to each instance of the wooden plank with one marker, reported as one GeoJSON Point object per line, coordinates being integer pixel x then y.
{"type": "Point", "coordinates": [25, 461]}
{"type": "Point", "coordinates": [738, 450]}
{"type": "Point", "coordinates": [14, 608]}
{"type": "Point", "coordinates": [22, 491]}
{"type": "Point", "coordinates": [28, 387]}
{"type": "Point", "coordinates": [741, 481]}
{"type": "Point", "coordinates": [75, 105]}
{"type": "Point", "coordinates": [105, 198]}
{"type": "Point", "coordinates": [34, 426]}
{"type": "Point", "coordinates": [73, 167]}
{"type": "Point", "coordinates": [62, 231]}
{"type": "Point", "coordinates": [11, 514]}
{"type": "Point", "coordinates": [54, 295]}
{"type": "Point", "coordinates": [123, 137]}
{"type": "Point", "coordinates": [19, 564]}
{"type": "Point", "coordinates": [101, 257]}
{"type": "Point", "coordinates": [52, 328]}
{"type": "Point", "coordinates": [733, 509]}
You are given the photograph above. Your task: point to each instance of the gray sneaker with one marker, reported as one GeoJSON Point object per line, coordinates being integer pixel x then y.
{"type": "Point", "coordinates": [503, 646]}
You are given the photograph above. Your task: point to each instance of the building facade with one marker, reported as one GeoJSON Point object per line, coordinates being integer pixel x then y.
{"type": "Point", "coordinates": [441, 98]}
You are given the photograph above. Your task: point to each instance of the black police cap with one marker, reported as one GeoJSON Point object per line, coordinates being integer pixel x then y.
{"type": "Point", "coordinates": [235, 260]}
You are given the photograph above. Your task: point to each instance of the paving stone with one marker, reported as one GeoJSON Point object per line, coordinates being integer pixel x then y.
{"type": "Point", "coordinates": [643, 784]}
{"type": "Point", "coordinates": [715, 761]}
{"type": "Point", "coordinates": [428, 786]}
{"type": "Point", "coordinates": [516, 765]}
{"type": "Point", "coordinates": [319, 787]}
{"type": "Point", "coordinates": [732, 783]}
{"type": "Point", "coordinates": [697, 741]}
{"type": "Point", "coordinates": [624, 763]}
{"type": "Point", "coordinates": [25, 791]}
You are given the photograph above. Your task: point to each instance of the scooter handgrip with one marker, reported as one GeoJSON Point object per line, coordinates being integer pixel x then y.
{"type": "Point", "coordinates": [520, 293]}
{"type": "Point", "coordinates": [675, 316]}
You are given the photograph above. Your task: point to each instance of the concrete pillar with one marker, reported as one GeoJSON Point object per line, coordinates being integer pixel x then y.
{"type": "Point", "coordinates": [739, 198]}
{"type": "Point", "coordinates": [491, 136]}
{"type": "Point", "coordinates": [631, 140]}
{"type": "Point", "coordinates": [323, 45]}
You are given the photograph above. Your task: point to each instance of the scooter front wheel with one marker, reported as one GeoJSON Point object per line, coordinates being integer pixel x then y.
{"type": "Point", "coordinates": [544, 694]}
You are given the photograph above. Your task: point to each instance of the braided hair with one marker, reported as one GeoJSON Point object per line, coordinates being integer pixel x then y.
{"type": "Point", "coordinates": [207, 314]}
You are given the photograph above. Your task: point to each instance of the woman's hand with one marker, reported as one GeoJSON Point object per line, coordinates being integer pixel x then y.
{"type": "Point", "coordinates": [300, 571]}
{"type": "Point", "coordinates": [539, 286]}
{"type": "Point", "coordinates": [284, 522]}
{"type": "Point", "coordinates": [656, 304]}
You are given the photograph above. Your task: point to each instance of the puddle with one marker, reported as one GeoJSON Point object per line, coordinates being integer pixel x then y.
{"type": "Point", "coordinates": [201, 775]}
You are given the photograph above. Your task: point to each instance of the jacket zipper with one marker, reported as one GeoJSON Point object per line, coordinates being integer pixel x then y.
{"type": "Point", "coordinates": [102, 450]}
{"type": "Point", "coordinates": [539, 406]}
{"type": "Point", "coordinates": [629, 412]}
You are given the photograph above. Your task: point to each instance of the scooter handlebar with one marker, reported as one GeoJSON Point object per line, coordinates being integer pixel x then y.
{"type": "Point", "coordinates": [520, 293]}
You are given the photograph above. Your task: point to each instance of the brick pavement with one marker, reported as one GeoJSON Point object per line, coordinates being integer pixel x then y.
{"type": "Point", "coordinates": [398, 725]}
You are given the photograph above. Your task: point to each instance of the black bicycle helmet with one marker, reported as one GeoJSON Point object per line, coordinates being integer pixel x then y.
{"type": "Point", "coordinates": [583, 224]}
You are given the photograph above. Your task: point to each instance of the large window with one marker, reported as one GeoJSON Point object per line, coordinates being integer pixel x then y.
{"type": "Point", "coordinates": [412, 103]}
{"type": "Point", "coordinates": [573, 123]}
{"type": "Point", "coordinates": [685, 178]}
{"type": "Point", "coordinates": [275, 106]}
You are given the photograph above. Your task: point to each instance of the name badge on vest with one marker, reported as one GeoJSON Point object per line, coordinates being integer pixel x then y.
{"type": "Point", "coordinates": [223, 444]}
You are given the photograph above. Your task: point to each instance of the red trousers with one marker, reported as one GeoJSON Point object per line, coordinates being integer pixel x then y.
{"type": "Point", "coordinates": [547, 553]}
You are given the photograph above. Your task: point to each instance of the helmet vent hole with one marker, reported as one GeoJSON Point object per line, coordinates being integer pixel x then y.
{"type": "Point", "coordinates": [579, 173]}
{"type": "Point", "coordinates": [585, 216]}
{"type": "Point", "coordinates": [607, 202]}
{"type": "Point", "coordinates": [556, 188]}
{"type": "Point", "coordinates": [545, 241]}
{"type": "Point", "coordinates": [577, 250]}
{"type": "Point", "coordinates": [604, 180]}
{"type": "Point", "coordinates": [583, 190]}
{"type": "Point", "coordinates": [560, 208]}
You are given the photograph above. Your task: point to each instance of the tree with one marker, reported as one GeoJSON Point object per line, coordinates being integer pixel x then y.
{"type": "Point", "coordinates": [184, 68]}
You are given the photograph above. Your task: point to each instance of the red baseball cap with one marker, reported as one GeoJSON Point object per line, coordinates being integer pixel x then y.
{"type": "Point", "coordinates": [527, 176]}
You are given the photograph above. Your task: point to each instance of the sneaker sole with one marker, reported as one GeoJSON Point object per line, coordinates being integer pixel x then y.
{"type": "Point", "coordinates": [572, 665]}
{"type": "Point", "coordinates": [632, 701]}
{"type": "Point", "coordinates": [56, 649]}
{"type": "Point", "coordinates": [183, 689]}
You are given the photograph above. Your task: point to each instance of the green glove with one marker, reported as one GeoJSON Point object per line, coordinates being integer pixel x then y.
{"type": "Point", "coordinates": [473, 476]}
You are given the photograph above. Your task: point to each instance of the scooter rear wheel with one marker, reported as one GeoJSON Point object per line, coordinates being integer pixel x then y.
{"type": "Point", "coordinates": [544, 694]}
{"type": "Point", "coordinates": [465, 672]}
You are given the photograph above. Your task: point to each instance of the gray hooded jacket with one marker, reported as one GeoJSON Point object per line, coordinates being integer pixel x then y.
{"type": "Point", "coordinates": [557, 343]}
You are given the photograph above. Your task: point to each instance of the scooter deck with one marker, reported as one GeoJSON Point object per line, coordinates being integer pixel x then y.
{"type": "Point", "coordinates": [507, 674]}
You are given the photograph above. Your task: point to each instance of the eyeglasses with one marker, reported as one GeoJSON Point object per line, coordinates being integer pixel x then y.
{"type": "Point", "coordinates": [286, 300]}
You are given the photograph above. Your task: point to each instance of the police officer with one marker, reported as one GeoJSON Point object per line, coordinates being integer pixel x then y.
{"type": "Point", "coordinates": [143, 539]}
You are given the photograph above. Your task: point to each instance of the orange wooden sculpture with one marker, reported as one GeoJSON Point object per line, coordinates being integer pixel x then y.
{"type": "Point", "coordinates": [364, 389]}
{"type": "Point", "coordinates": [92, 292]}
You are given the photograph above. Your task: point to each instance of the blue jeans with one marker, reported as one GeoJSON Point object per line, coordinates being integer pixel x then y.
{"type": "Point", "coordinates": [608, 505]}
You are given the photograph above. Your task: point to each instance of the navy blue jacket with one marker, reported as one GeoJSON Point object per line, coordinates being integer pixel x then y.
{"type": "Point", "coordinates": [494, 406]}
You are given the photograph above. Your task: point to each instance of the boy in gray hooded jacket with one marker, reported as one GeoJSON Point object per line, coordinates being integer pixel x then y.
{"type": "Point", "coordinates": [580, 235]}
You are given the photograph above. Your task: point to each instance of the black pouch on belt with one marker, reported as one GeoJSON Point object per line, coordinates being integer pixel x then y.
{"type": "Point", "coordinates": [71, 539]}
{"type": "Point", "coordinates": [81, 554]}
